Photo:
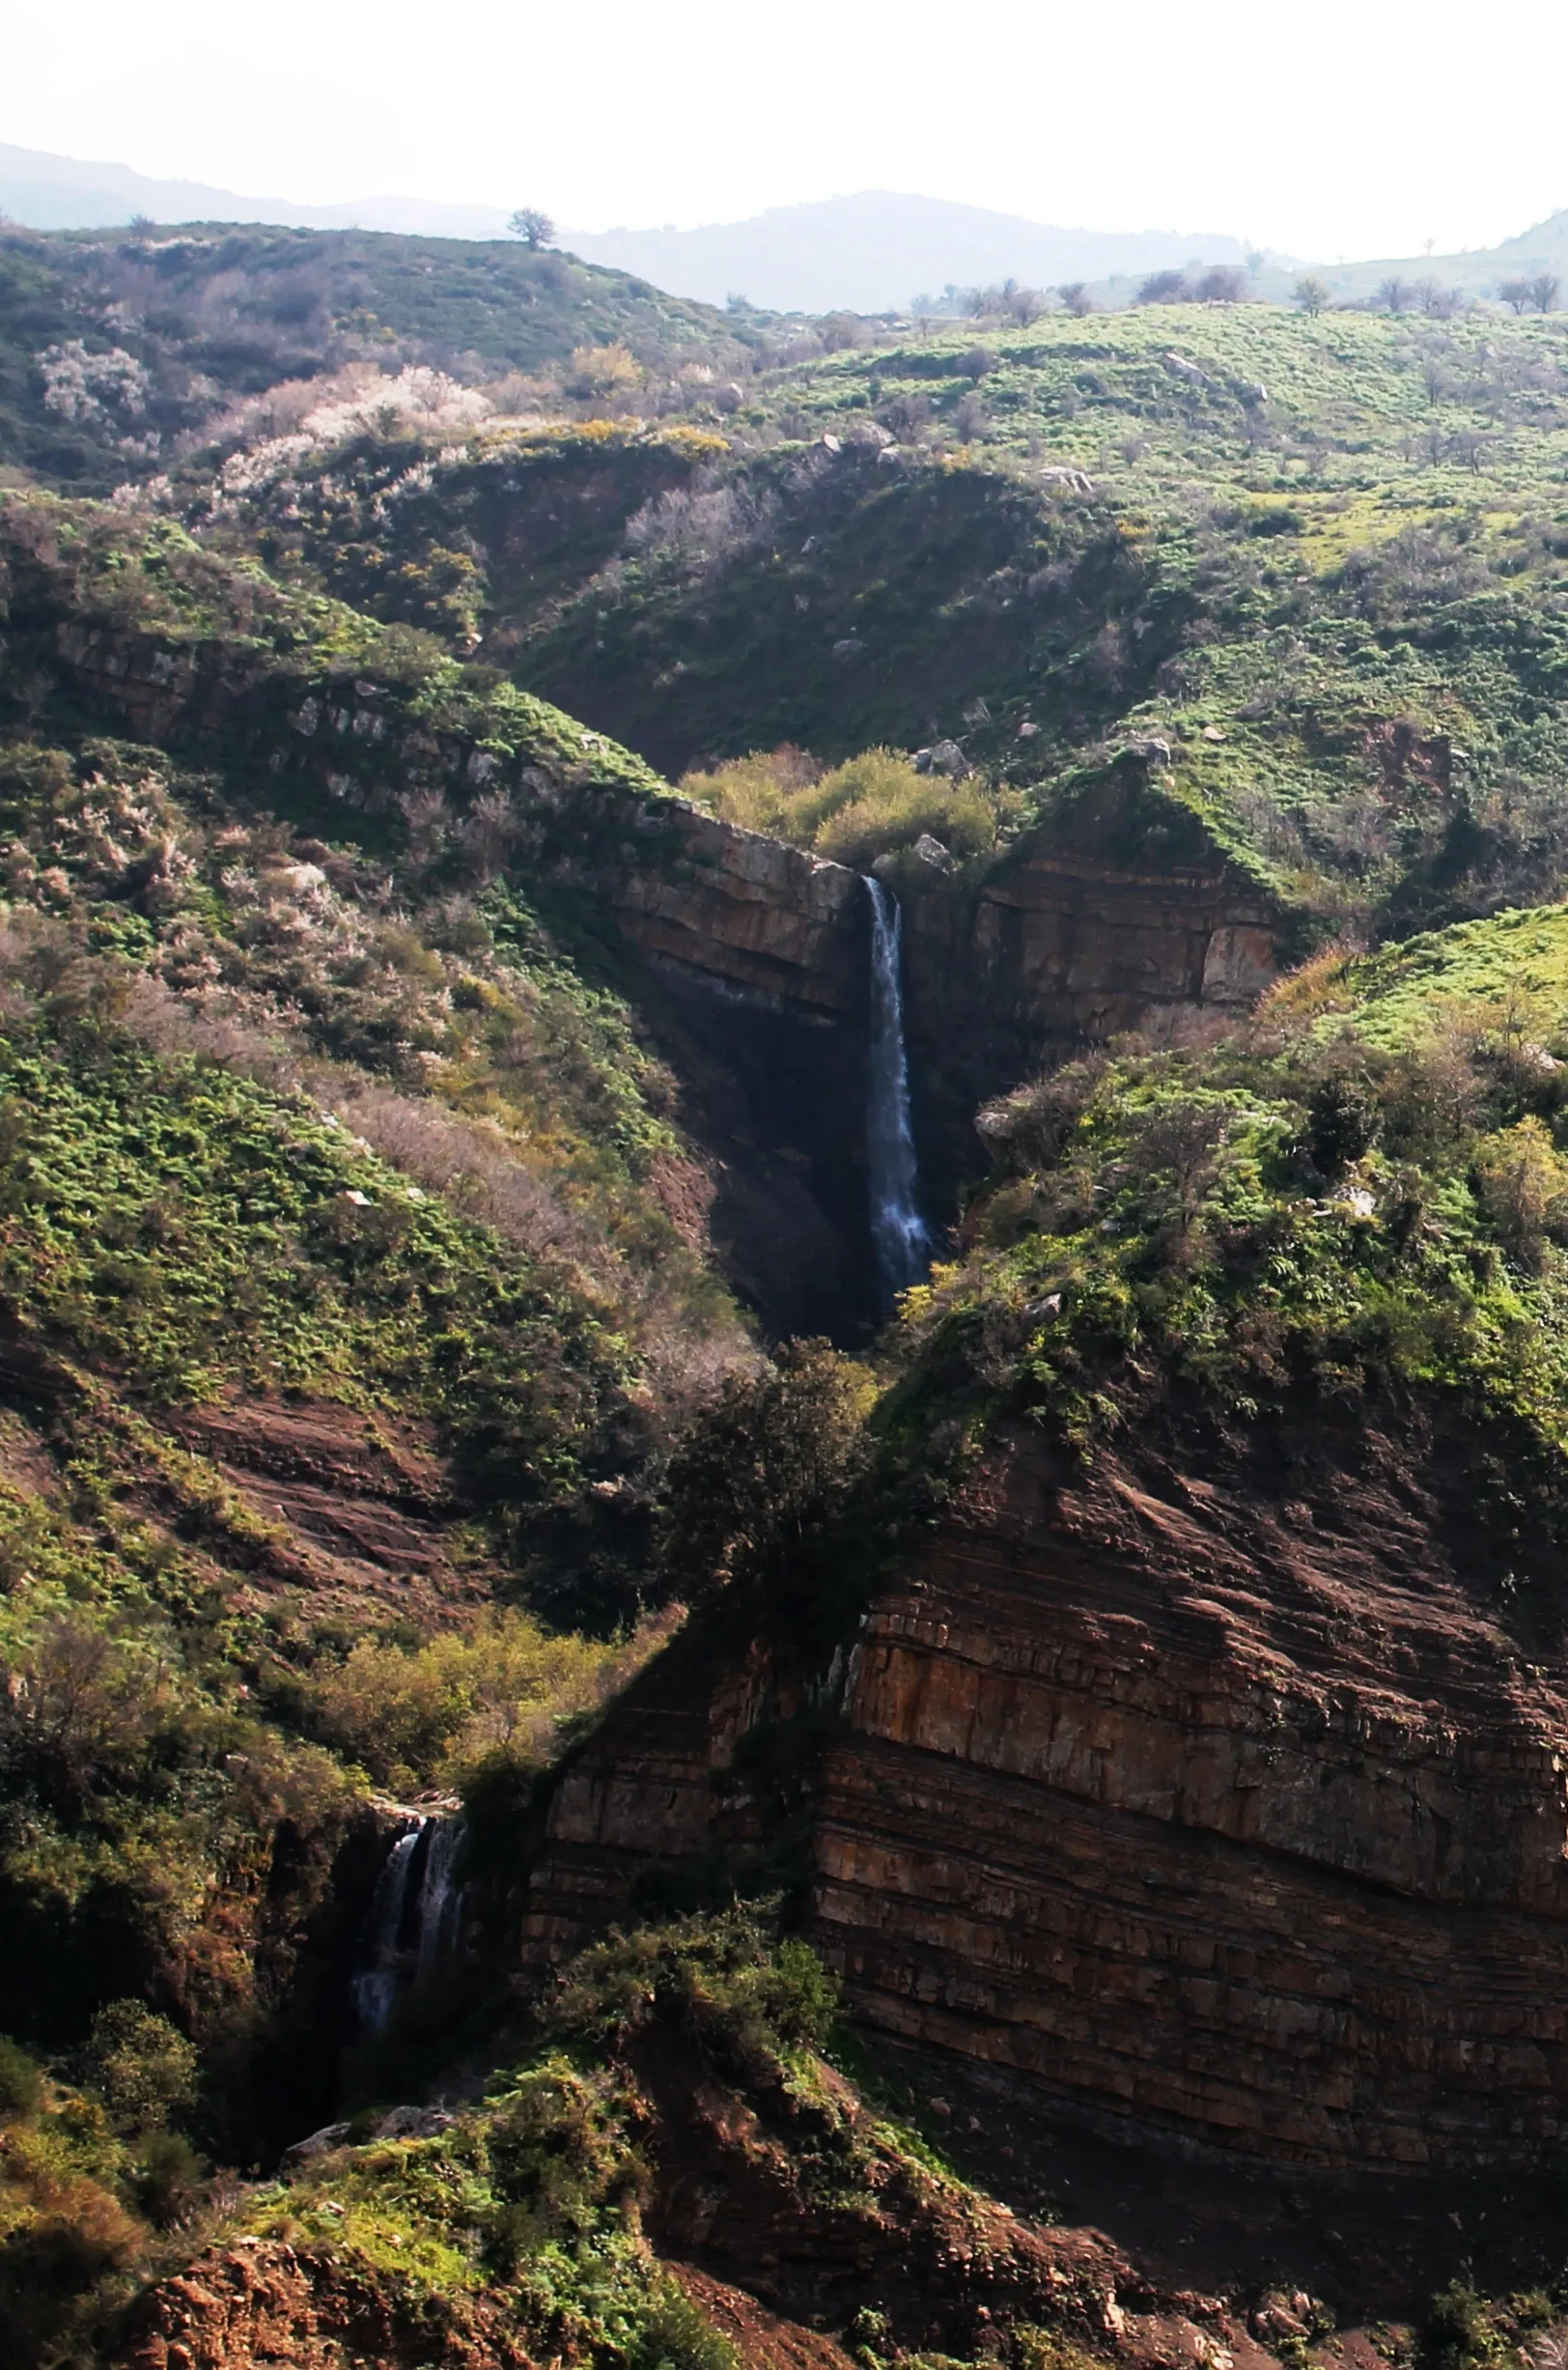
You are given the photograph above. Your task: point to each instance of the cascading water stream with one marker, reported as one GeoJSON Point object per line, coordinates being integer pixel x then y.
{"type": "Point", "coordinates": [439, 1900]}
{"type": "Point", "coordinates": [412, 1929]}
{"type": "Point", "coordinates": [898, 1230]}
{"type": "Point", "coordinates": [375, 1985]}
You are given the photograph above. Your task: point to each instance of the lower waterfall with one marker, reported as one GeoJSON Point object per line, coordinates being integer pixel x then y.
{"type": "Point", "coordinates": [898, 1231]}
{"type": "Point", "coordinates": [412, 1930]}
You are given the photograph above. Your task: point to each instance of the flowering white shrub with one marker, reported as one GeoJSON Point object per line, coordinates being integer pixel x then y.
{"type": "Point", "coordinates": [95, 389]}
{"type": "Point", "coordinates": [276, 431]}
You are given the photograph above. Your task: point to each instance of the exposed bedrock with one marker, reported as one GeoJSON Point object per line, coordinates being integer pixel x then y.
{"type": "Point", "coordinates": [755, 974]}
{"type": "Point", "coordinates": [1218, 1801]}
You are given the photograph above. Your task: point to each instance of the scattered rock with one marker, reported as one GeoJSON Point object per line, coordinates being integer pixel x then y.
{"type": "Point", "coordinates": [1149, 749]}
{"type": "Point", "coordinates": [942, 757]}
{"type": "Point", "coordinates": [1180, 367]}
{"type": "Point", "coordinates": [413, 2123]}
{"type": "Point", "coordinates": [1075, 481]}
{"type": "Point", "coordinates": [832, 444]}
{"type": "Point", "coordinates": [931, 851]}
{"type": "Point", "coordinates": [848, 648]}
{"type": "Point", "coordinates": [319, 2143]}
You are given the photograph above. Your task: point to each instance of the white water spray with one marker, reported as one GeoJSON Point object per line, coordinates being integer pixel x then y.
{"type": "Point", "coordinates": [896, 1229]}
{"type": "Point", "coordinates": [376, 1986]}
{"type": "Point", "coordinates": [409, 1940]}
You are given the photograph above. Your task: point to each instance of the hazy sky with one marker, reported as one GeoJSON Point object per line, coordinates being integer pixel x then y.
{"type": "Point", "coordinates": [1349, 126]}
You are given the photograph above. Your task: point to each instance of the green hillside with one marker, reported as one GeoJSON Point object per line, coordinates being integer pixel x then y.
{"type": "Point", "coordinates": [1324, 558]}
{"type": "Point", "coordinates": [1353, 1210]}
{"type": "Point", "coordinates": [117, 347]}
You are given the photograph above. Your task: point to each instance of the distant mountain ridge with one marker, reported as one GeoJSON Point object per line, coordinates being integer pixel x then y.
{"type": "Point", "coordinates": [872, 253]}
{"type": "Point", "coordinates": [45, 192]}
{"type": "Point", "coordinates": [875, 252]}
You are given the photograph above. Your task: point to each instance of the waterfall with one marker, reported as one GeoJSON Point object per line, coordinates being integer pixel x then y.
{"type": "Point", "coordinates": [376, 1986]}
{"type": "Point", "coordinates": [440, 1899]}
{"type": "Point", "coordinates": [412, 1929]}
{"type": "Point", "coordinates": [898, 1230]}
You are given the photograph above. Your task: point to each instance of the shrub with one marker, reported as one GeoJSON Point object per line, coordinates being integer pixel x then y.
{"type": "Point", "coordinates": [413, 1714]}
{"type": "Point", "coordinates": [143, 2069]}
{"type": "Point", "coordinates": [719, 1980]}
{"type": "Point", "coordinates": [672, 2334]}
{"type": "Point", "coordinates": [756, 791]}
{"type": "Point", "coordinates": [21, 2083]}
{"type": "Point", "coordinates": [1523, 1181]}
{"type": "Point", "coordinates": [167, 2177]}
{"type": "Point", "coordinates": [873, 804]}
{"type": "Point", "coordinates": [603, 370]}
{"type": "Point", "coordinates": [559, 2154]}
{"type": "Point", "coordinates": [756, 1478]}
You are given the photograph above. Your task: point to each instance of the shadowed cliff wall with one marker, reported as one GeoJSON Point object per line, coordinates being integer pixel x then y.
{"type": "Point", "coordinates": [1219, 1800]}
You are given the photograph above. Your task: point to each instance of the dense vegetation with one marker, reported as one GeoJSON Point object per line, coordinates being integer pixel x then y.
{"type": "Point", "coordinates": [1320, 555]}
{"type": "Point", "coordinates": [1357, 1202]}
{"type": "Point", "coordinates": [119, 349]}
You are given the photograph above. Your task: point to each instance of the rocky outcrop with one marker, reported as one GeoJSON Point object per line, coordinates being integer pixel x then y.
{"type": "Point", "coordinates": [1122, 912]}
{"type": "Point", "coordinates": [1119, 913]}
{"type": "Point", "coordinates": [1217, 1798]}
{"type": "Point", "coordinates": [264, 2306]}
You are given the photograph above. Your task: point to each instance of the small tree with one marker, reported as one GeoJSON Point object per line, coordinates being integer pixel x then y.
{"type": "Point", "coordinates": [1312, 293]}
{"type": "Point", "coordinates": [1516, 293]}
{"type": "Point", "coordinates": [1222, 285]}
{"type": "Point", "coordinates": [1163, 288]}
{"type": "Point", "coordinates": [1545, 289]}
{"type": "Point", "coordinates": [754, 1483]}
{"type": "Point", "coordinates": [533, 226]}
{"type": "Point", "coordinates": [1075, 296]}
{"type": "Point", "coordinates": [1394, 294]}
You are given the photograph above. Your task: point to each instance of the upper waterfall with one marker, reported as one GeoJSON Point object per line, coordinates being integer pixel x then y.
{"type": "Point", "coordinates": [896, 1229]}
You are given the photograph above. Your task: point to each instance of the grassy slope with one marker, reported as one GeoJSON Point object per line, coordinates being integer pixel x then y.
{"type": "Point", "coordinates": [1360, 1199]}
{"type": "Point", "coordinates": [304, 1119]}
{"type": "Point", "coordinates": [212, 315]}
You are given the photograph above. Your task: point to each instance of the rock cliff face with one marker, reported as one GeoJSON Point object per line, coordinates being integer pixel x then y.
{"type": "Point", "coordinates": [1120, 914]}
{"type": "Point", "coordinates": [1209, 1792]}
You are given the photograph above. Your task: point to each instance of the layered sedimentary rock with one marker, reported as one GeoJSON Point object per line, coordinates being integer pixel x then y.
{"type": "Point", "coordinates": [1227, 1805]}
{"type": "Point", "coordinates": [1119, 913]}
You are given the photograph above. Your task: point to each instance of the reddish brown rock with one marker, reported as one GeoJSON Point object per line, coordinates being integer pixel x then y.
{"type": "Point", "coordinates": [261, 2305]}
{"type": "Point", "coordinates": [1193, 1802]}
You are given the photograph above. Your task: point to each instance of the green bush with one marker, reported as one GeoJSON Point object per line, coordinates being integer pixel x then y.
{"type": "Point", "coordinates": [760, 1470]}
{"type": "Point", "coordinates": [874, 804]}
{"type": "Point", "coordinates": [143, 2069]}
{"type": "Point", "coordinates": [673, 2335]}
{"type": "Point", "coordinates": [719, 1980]}
{"type": "Point", "coordinates": [21, 2082]}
